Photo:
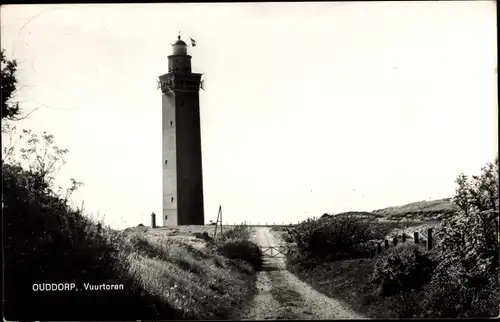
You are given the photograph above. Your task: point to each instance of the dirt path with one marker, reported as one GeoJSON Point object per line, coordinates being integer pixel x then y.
{"type": "Point", "coordinates": [283, 296]}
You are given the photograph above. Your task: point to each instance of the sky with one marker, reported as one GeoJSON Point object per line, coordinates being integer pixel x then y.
{"type": "Point", "coordinates": [308, 107]}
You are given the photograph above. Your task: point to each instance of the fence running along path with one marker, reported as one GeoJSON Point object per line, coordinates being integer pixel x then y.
{"type": "Point", "coordinates": [428, 243]}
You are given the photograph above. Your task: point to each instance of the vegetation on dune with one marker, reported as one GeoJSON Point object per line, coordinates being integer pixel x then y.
{"type": "Point", "coordinates": [458, 278]}
{"type": "Point", "coordinates": [236, 245]}
{"type": "Point", "coordinates": [359, 214]}
{"type": "Point", "coordinates": [405, 267]}
{"type": "Point", "coordinates": [420, 210]}
{"type": "Point", "coordinates": [330, 238]}
{"type": "Point", "coordinates": [46, 240]}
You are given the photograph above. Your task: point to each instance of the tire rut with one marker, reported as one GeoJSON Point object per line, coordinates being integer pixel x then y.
{"type": "Point", "coordinates": [283, 296]}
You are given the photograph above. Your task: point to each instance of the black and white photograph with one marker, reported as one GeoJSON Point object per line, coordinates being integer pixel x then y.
{"type": "Point", "coordinates": [250, 161]}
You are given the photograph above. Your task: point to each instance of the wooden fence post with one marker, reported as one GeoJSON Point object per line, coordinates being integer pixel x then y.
{"type": "Point", "coordinates": [429, 239]}
{"type": "Point", "coordinates": [386, 244]}
{"type": "Point", "coordinates": [403, 238]}
{"type": "Point", "coordinates": [395, 241]}
{"type": "Point", "coordinates": [415, 237]}
{"type": "Point", "coordinates": [379, 248]}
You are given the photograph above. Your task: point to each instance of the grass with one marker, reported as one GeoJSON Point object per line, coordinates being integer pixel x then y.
{"type": "Point", "coordinates": [163, 277]}
{"type": "Point", "coordinates": [420, 210]}
{"type": "Point", "coordinates": [200, 283]}
{"type": "Point", "coordinates": [349, 281]}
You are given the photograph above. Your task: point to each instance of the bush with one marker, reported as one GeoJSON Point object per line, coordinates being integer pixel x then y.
{"type": "Point", "coordinates": [236, 245]}
{"type": "Point", "coordinates": [47, 241]}
{"type": "Point", "coordinates": [403, 267]}
{"type": "Point", "coordinates": [447, 298]}
{"type": "Point", "coordinates": [302, 260]}
{"type": "Point", "coordinates": [467, 273]}
{"type": "Point", "coordinates": [331, 238]}
{"type": "Point", "coordinates": [205, 236]}
{"type": "Point", "coordinates": [41, 231]}
{"type": "Point", "coordinates": [240, 249]}
{"type": "Point", "coordinates": [242, 232]}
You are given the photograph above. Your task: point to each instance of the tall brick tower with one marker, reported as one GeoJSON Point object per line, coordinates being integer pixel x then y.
{"type": "Point", "coordinates": [182, 167]}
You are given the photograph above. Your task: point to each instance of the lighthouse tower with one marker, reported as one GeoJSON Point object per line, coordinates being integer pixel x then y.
{"type": "Point", "coordinates": [182, 167]}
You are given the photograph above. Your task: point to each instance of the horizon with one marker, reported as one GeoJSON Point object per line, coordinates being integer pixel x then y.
{"type": "Point", "coordinates": [308, 108]}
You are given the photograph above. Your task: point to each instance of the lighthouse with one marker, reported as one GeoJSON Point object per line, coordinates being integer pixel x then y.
{"type": "Point", "coordinates": [181, 141]}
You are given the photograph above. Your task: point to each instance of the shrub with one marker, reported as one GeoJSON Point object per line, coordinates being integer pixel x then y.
{"type": "Point", "coordinates": [448, 298]}
{"type": "Point", "coordinates": [203, 236]}
{"type": "Point", "coordinates": [41, 231]}
{"type": "Point", "coordinates": [331, 238]}
{"type": "Point", "coordinates": [302, 260]}
{"type": "Point", "coordinates": [240, 249]}
{"type": "Point", "coordinates": [468, 251]}
{"type": "Point", "coordinates": [403, 267]}
{"type": "Point", "coordinates": [235, 244]}
{"type": "Point", "coordinates": [242, 232]}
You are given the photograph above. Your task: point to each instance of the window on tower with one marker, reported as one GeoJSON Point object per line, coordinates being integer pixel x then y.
{"type": "Point", "coordinates": [166, 161]}
{"type": "Point", "coordinates": [172, 199]}
{"type": "Point", "coordinates": [171, 123]}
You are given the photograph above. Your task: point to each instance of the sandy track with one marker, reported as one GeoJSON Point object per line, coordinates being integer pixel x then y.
{"type": "Point", "coordinates": [283, 296]}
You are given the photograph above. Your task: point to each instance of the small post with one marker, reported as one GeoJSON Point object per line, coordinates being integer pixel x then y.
{"type": "Point", "coordinates": [220, 210]}
{"type": "Point", "coordinates": [429, 239]}
{"type": "Point", "coordinates": [153, 220]}
{"type": "Point", "coordinates": [415, 237]}
{"type": "Point", "coordinates": [395, 241]}
{"type": "Point", "coordinates": [386, 244]}
{"type": "Point", "coordinates": [379, 248]}
{"type": "Point", "coordinates": [403, 238]}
